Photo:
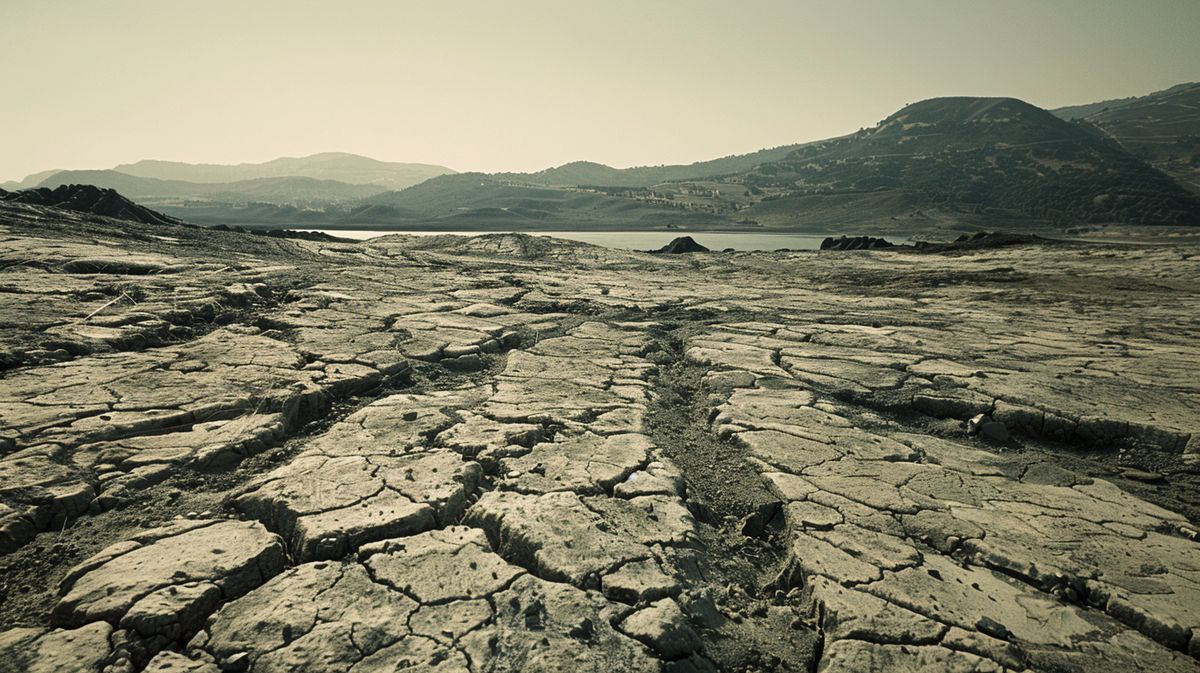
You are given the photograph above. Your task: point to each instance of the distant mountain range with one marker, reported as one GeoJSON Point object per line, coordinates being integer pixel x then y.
{"type": "Point", "coordinates": [944, 163]}
{"type": "Point", "coordinates": [328, 177]}
{"type": "Point", "coordinates": [281, 190]}
{"type": "Point", "coordinates": [349, 168]}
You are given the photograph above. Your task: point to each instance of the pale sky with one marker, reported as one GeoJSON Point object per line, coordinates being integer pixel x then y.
{"type": "Point", "coordinates": [526, 84]}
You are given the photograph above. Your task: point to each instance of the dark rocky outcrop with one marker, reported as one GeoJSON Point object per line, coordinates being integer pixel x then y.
{"type": "Point", "coordinates": [89, 199]}
{"type": "Point", "coordinates": [855, 243]}
{"type": "Point", "coordinates": [319, 236]}
{"type": "Point", "coordinates": [978, 241]}
{"type": "Point", "coordinates": [681, 245]}
{"type": "Point", "coordinates": [981, 241]}
{"type": "Point", "coordinates": [305, 235]}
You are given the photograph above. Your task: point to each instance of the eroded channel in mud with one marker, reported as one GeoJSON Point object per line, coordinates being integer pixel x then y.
{"type": "Point", "coordinates": [752, 623]}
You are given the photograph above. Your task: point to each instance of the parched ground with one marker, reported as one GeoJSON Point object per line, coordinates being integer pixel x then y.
{"type": "Point", "coordinates": [228, 452]}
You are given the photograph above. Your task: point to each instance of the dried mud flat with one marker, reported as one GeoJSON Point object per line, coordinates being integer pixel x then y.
{"type": "Point", "coordinates": [226, 452]}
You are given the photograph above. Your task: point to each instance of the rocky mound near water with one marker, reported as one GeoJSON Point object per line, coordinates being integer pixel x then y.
{"type": "Point", "coordinates": [681, 245]}
{"type": "Point", "coordinates": [319, 236]}
{"type": "Point", "coordinates": [855, 243]}
{"type": "Point", "coordinates": [981, 241]}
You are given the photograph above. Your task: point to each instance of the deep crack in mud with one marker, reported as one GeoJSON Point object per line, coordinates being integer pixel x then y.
{"type": "Point", "coordinates": [740, 526]}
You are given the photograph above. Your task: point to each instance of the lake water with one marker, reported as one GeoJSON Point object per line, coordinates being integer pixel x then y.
{"type": "Point", "coordinates": [629, 240]}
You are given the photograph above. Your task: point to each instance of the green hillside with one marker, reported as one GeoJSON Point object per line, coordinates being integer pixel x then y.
{"type": "Point", "coordinates": [1162, 128]}
{"type": "Point", "coordinates": [593, 174]}
{"type": "Point", "coordinates": [476, 198]}
{"type": "Point", "coordinates": [937, 164]}
{"type": "Point", "coordinates": [978, 158]}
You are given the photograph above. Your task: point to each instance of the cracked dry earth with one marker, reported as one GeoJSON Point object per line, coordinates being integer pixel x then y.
{"type": "Point", "coordinates": [226, 452]}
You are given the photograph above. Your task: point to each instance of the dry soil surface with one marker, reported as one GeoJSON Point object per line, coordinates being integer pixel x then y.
{"type": "Point", "coordinates": [228, 452]}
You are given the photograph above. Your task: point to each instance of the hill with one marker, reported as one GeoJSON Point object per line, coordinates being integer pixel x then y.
{"type": "Point", "coordinates": [1162, 128]}
{"type": "Point", "coordinates": [31, 180]}
{"type": "Point", "coordinates": [472, 200]}
{"type": "Point", "coordinates": [463, 201]}
{"type": "Point", "coordinates": [1073, 112]}
{"type": "Point", "coordinates": [945, 163]}
{"type": "Point", "coordinates": [587, 173]}
{"type": "Point", "coordinates": [940, 164]}
{"type": "Point", "coordinates": [283, 190]}
{"type": "Point", "coordinates": [339, 166]}
{"type": "Point", "coordinates": [332, 176]}
{"type": "Point", "coordinates": [954, 163]}
{"type": "Point", "coordinates": [970, 159]}
{"type": "Point", "coordinates": [88, 199]}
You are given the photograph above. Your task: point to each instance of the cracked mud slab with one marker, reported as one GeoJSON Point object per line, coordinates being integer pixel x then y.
{"type": "Point", "coordinates": [440, 599]}
{"type": "Point", "coordinates": [222, 452]}
{"type": "Point", "coordinates": [367, 478]}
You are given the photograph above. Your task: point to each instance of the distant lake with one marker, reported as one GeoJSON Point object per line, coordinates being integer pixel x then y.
{"type": "Point", "coordinates": [629, 240]}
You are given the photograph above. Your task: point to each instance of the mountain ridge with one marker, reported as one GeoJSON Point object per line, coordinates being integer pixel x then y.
{"type": "Point", "coordinates": [293, 190]}
{"type": "Point", "coordinates": [999, 157]}
{"type": "Point", "coordinates": [937, 162]}
{"type": "Point", "coordinates": [339, 166]}
{"type": "Point", "coordinates": [1084, 110]}
{"type": "Point", "coordinates": [947, 162]}
{"type": "Point", "coordinates": [1162, 128]}
{"type": "Point", "coordinates": [601, 175]}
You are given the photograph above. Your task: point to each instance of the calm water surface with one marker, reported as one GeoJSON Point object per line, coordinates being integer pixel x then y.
{"type": "Point", "coordinates": [629, 240]}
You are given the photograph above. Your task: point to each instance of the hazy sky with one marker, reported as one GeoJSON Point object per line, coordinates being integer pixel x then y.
{"type": "Point", "coordinates": [525, 84]}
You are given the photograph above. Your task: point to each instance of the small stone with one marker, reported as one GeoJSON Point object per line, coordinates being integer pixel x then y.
{"type": "Point", "coordinates": [236, 662]}
{"type": "Point", "coordinates": [995, 431]}
{"type": "Point", "coordinates": [984, 426]}
{"type": "Point", "coordinates": [1142, 475]}
{"type": "Point", "coordinates": [993, 628]}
